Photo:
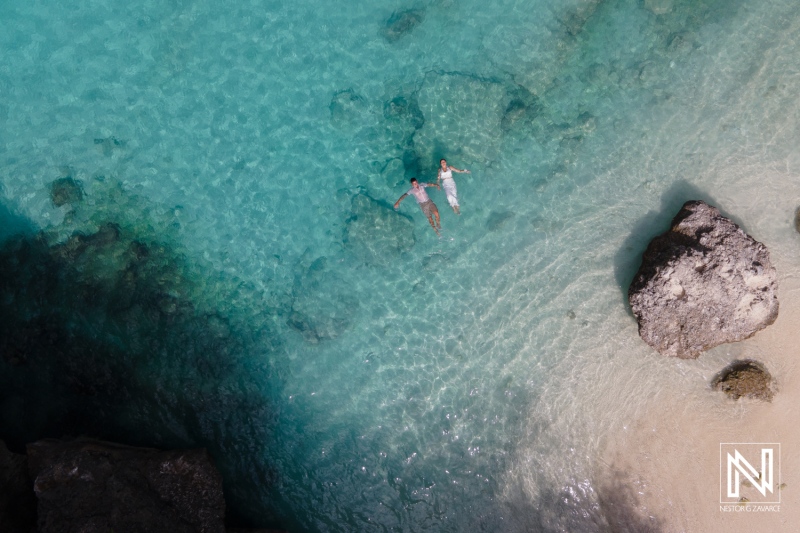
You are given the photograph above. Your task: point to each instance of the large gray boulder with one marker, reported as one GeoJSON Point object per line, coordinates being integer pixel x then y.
{"type": "Point", "coordinates": [703, 283]}
{"type": "Point", "coordinates": [93, 487]}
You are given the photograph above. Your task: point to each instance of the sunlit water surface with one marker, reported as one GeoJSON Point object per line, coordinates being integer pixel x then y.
{"type": "Point", "coordinates": [385, 379]}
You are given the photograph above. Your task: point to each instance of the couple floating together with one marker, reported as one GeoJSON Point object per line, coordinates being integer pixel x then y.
{"type": "Point", "coordinates": [425, 203]}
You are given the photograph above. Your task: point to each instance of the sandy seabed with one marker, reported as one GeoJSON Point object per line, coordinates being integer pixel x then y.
{"type": "Point", "coordinates": [669, 458]}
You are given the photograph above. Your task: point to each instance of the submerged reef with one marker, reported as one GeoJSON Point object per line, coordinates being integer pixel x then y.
{"type": "Point", "coordinates": [404, 108]}
{"type": "Point", "coordinates": [66, 190]}
{"type": "Point", "coordinates": [348, 109]}
{"type": "Point", "coordinates": [401, 23]}
{"type": "Point", "coordinates": [703, 283]}
{"type": "Point", "coordinates": [322, 304]}
{"type": "Point", "coordinates": [376, 233]}
{"type": "Point", "coordinates": [108, 330]}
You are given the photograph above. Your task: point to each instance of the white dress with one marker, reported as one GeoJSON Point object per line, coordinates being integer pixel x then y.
{"type": "Point", "coordinates": [449, 186]}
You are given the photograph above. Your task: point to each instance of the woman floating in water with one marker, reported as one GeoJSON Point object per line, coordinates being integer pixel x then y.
{"type": "Point", "coordinates": [449, 184]}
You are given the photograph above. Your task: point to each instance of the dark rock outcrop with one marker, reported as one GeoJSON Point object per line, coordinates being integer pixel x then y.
{"type": "Point", "coordinates": [497, 219]}
{"type": "Point", "coordinates": [93, 486]}
{"type": "Point", "coordinates": [65, 191]}
{"type": "Point", "coordinates": [401, 23]}
{"type": "Point", "coordinates": [17, 501]}
{"type": "Point", "coordinates": [747, 378]}
{"type": "Point", "coordinates": [703, 283]}
{"type": "Point", "coordinates": [348, 109]}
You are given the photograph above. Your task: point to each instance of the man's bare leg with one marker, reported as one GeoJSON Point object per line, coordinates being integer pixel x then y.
{"type": "Point", "coordinates": [430, 219]}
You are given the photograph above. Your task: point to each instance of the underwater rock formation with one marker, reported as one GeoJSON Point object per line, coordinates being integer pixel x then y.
{"type": "Point", "coordinates": [376, 233]}
{"type": "Point", "coordinates": [401, 23]}
{"type": "Point", "coordinates": [65, 191]}
{"type": "Point", "coordinates": [703, 283]}
{"type": "Point", "coordinates": [466, 125]}
{"type": "Point", "coordinates": [322, 306]}
{"type": "Point", "coordinates": [394, 173]}
{"type": "Point", "coordinates": [497, 219]}
{"type": "Point", "coordinates": [93, 486]}
{"type": "Point", "coordinates": [109, 144]}
{"type": "Point", "coordinates": [110, 331]}
{"type": "Point", "coordinates": [405, 109]}
{"type": "Point", "coordinates": [402, 118]}
{"type": "Point", "coordinates": [522, 109]}
{"type": "Point", "coordinates": [17, 501]}
{"type": "Point", "coordinates": [348, 109]}
{"type": "Point", "coordinates": [746, 378]}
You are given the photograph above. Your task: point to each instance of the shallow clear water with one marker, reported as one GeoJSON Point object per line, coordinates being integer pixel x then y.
{"type": "Point", "coordinates": [383, 378]}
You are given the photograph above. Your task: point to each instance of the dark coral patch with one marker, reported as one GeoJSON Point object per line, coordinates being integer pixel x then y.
{"type": "Point", "coordinates": [66, 191]}
{"type": "Point", "coordinates": [401, 23]}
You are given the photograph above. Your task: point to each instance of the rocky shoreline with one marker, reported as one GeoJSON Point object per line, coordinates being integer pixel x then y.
{"type": "Point", "coordinates": [87, 485]}
{"type": "Point", "coordinates": [704, 283]}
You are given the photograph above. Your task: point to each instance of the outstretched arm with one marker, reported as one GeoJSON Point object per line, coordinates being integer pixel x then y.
{"type": "Point", "coordinates": [454, 169]}
{"type": "Point", "coordinates": [397, 203]}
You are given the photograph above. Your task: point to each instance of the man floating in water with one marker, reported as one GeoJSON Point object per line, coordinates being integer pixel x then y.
{"type": "Point", "coordinates": [425, 203]}
{"type": "Point", "coordinates": [449, 184]}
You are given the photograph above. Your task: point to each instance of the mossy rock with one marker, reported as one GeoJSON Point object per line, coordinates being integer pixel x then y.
{"type": "Point", "coordinates": [746, 378]}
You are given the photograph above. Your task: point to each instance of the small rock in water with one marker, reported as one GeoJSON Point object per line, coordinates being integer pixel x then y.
{"type": "Point", "coordinates": [65, 191]}
{"type": "Point", "coordinates": [747, 378]}
{"type": "Point", "coordinates": [797, 220]}
{"type": "Point", "coordinates": [435, 261]}
{"type": "Point", "coordinates": [108, 144]}
{"type": "Point", "coordinates": [347, 108]}
{"type": "Point", "coordinates": [522, 109]}
{"type": "Point", "coordinates": [401, 23]}
{"type": "Point", "coordinates": [497, 219]}
{"type": "Point", "coordinates": [703, 283]}
{"type": "Point", "coordinates": [403, 108]}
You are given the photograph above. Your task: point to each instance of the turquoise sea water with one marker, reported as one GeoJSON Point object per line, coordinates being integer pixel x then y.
{"type": "Point", "coordinates": [348, 369]}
